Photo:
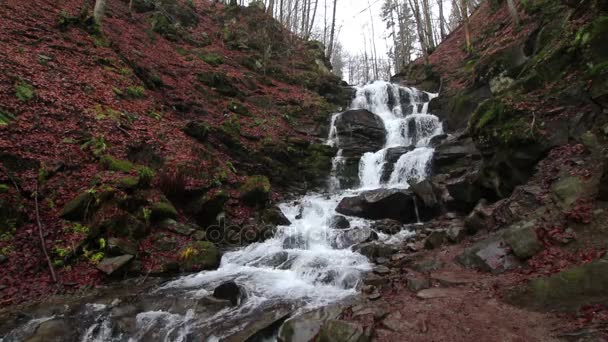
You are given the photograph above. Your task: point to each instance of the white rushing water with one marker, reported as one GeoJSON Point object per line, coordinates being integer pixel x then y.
{"type": "Point", "coordinates": [404, 114]}
{"type": "Point", "coordinates": [307, 263]}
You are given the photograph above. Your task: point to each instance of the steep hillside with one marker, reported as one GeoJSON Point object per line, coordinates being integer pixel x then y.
{"type": "Point", "coordinates": [134, 136]}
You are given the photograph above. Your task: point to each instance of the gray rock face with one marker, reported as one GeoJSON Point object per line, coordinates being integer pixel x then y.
{"type": "Point", "coordinates": [360, 131]}
{"type": "Point", "coordinates": [425, 191]}
{"type": "Point", "coordinates": [228, 291]}
{"type": "Point", "coordinates": [339, 222]}
{"type": "Point", "coordinates": [490, 255]}
{"type": "Point", "coordinates": [304, 327]}
{"type": "Point", "coordinates": [380, 204]}
{"type": "Point", "coordinates": [392, 156]}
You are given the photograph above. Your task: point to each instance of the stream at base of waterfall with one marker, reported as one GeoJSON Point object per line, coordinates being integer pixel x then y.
{"type": "Point", "coordinates": [305, 265]}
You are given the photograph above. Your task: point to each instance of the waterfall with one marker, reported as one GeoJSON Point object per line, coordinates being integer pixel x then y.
{"type": "Point", "coordinates": [307, 263]}
{"type": "Point", "coordinates": [391, 103]}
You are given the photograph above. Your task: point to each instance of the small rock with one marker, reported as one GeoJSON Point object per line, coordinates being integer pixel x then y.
{"type": "Point", "coordinates": [424, 190]}
{"type": "Point", "coordinates": [435, 239]}
{"type": "Point", "coordinates": [111, 265]}
{"type": "Point", "coordinates": [479, 219]}
{"type": "Point", "coordinates": [397, 323]}
{"type": "Point", "coordinates": [176, 227]}
{"type": "Point", "coordinates": [375, 280]}
{"type": "Point", "coordinates": [121, 246]}
{"type": "Point", "coordinates": [415, 284]}
{"type": "Point", "coordinates": [375, 250]}
{"type": "Point", "coordinates": [455, 233]}
{"type": "Point", "coordinates": [449, 278]}
{"type": "Point", "coordinates": [381, 260]}
{"type": "Point", "coordinates": [398, 257]}
{"type": "Point", "coordinates": [228, 291]}
{"type": "Point", "coordinates": [490, 255]}
{"type": "Point", "coordinates": [523, 240]}
{"type": "Point", "coordinates": [342, 331]}
{"type": "Point", "coordinates": [339, 222]}
{"type": "Point", "coordinates": [374, 296]}
{"type": "Point", "coordinates": [382, 270]}
{"type": "Point", "coordinates": [377, 310]}
{"type": "Point", "coordinates": [426, 266]}
{"type": "Point", "coordinates": [367, 289]}
{"type": "Point", "coordinates": [387, 226]}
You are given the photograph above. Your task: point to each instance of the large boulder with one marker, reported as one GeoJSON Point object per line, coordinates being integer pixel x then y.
{"type": "Point", "coordinates": [396, 204]}
{"type": "Point", "coordinates": [110, 266]}
{"type": "Point", "coordinates": [229, 291]}
{"type": "Point", "coordinates": [360, 131]}
{"type": "Point", "coordinates": [391, 157]}
{"type": "Point", "coordinates": [304, 327]}
{"type": "Point", "coordinates": [490, 255]}
{"type": "Point", "coordinates": [571, 289]}
{"type": "Point", "coordinates": [523, 240]}
{"type": "Point", "coordinates": [425, 191]}
{"type": "Point", "coordinates": [200, 255]}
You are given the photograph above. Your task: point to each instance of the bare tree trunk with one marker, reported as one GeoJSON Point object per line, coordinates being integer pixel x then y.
{"type": "Point", "coordinates": [465, 18]}
{"type": "Point", "coordinates": [99, 10]}
{"type": "Point", "coordinates": [441, 20]}
{"type": "Point", "coordinates": [373, 38]}
{"type": "Point", "coordinates": [419, 27]}
{"type": "Point", "coordinates": [333, 30]}
{"type": "Point", "coordinates": [270, 8]}
{"type": "Point", "coordinates": [312, 22]}
{"type": "Point", "coordinates": [281, 12]}
{"type": "Point", "coordinates": [325, 24]}
{"type": "Point", "coordinates": [513, 11]}
{"type": "Point", "coordinates": [428, 23]}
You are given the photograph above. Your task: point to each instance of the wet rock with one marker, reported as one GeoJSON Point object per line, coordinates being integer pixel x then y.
{"type": "Point", "coordinates": [416, 284]}
{"type": "Point", "coordinates": [435, 239]}
{"type": "Point", "coordinates": [571, 289]}
{"type": "Point", "coordinates": [354, 236]}
{"type": "Point", "coordinates": [374, 296]}
{"type": "Point", "coordinates": [339, 222]}
{"type": "Point", "coordinates": [453, 152]}
{"type": "Point", "coordinates": [523, 240]}
{"type": "Point", "coordinates": [380, 204]}
{"type": "Point", "coordinates": [387, 226]}
{"type": "Point", "coordinates": [342, 331]}
{"type": "Point", "coordinates": [464, 192]}
{"type": "Point", "coordinates": [295, 242]}
{"type": "Point", "coordinates": [424, 190]}
{"type": "Point", "coordinates": [228, 291]}
{"type": "Point", "coordinates": [55, 330]}
{"type": "Point", "coordinates": [163, 210]}
{"type": "Point", "coordinates": [121, 246]}
{"type": "Point", "coordinates": [391, 157]}
{"type": "Point", "coordinates": [78, 208]}
{"type": "Point", "coordinates": [179, 228]}
{"type": "Point", "coordinates": [304, 327]}
{"type": "Point", "coordinates": [360, 131]}
{"type": "Point", "coordinates": [490, 255]}
{"type": "Point", "coordinates": [376, 249]}
{"type": "Point", "coordinates": [199, 255]}
{"type": "Point", "coordinates": [437, 140]}
{"type": "Point", "coordinates": [207, 208]}
{"type": "Point", "coordinates": [110, 266]}
{"type": "Point", "coordinates": [375, 280]}
{"type": "Point", "coordinates": [256, 328]}
{"type": "Point", "coordinates": [275, 216]}
{"type": "Point", "coordinates": [382, 270]}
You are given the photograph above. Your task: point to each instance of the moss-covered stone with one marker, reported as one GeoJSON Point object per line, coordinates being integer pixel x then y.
{"type": "Point", "coordinates": [128, 183]}
{"type": "Point", "coordinates": [114, 164]}
{"type": "Point", "coordinates": [255, 190]}
{"type": "Point", "coordinates": [163, 210]}
{"type": "Point", "coordinates": [199, 255]}
{"type": "Point", "coordinates": [80, 207]}
{"type": "Point", "coordinates": [123, 224]}
{"type": "Point", "coordinates": [24, 91]}
{"type": "Point", "coordinates": [210, 58]}
{"type": "Point", "coordinates": [570, 289]}
{"type": "Point", "coordinates": [568, 189]}
{"type": "Point", "coordinates": [6, 118]}
{"type": "Point", "coordinates": [220, 82]}
{"type": "Point", "coordinates": [522, 238]}
{"type": "Point", "coordinates": [206, 208]}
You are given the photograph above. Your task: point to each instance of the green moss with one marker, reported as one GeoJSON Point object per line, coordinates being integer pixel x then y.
{"type": "Point", "coordinates": [24, 91]}
{"type": "Point", "coordinates": [114, 164]}
{"type": "Point", "coordinates": [135, 92]}
{"type": "Point", "coordinates": [146, 176]}
{"type": "Point", "coordinates": [80, 207]}
{"type": "Point", "coordinates": [210, 58]}
{"type": "Point", "coordinates": [4, 188]}
{"type": "Point", "coordinates": [128, 183]}
{"type": "Point", "coordinates": [200, 255]}
{"type": "Point", "coordinates": [6, 118]}
{"type": "Point", "coordinates": [197, 130]}
{"type": "Point", "coordinates": [255, 190]}
{"type": "Point", "coordinates": [231, 127]}
{"type": "Point", "coordinates": [163, 210]}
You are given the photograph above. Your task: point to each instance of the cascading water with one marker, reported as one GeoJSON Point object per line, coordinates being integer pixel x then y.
{"type": "Point", "coordinates": [404, 114]}
{"type": "Point", "coordinates": [307, 264]}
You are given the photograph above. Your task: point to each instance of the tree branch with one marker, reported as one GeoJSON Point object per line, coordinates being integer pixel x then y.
{"type": "Point", "coordinates": [46, 254]}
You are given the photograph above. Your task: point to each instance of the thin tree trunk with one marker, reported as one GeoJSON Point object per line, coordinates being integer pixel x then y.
{"type": "Point", "coordinates": [419, 27]}
{"type": "Point", "coordinates": [325, 24]}
{"type": "Point", "coordinates": [513, 11]}
{"type": "Point", "coordinates": [312, 22]}
{"type": "Point", "coordinates": [373, 38]}
{"type": "Point", "coordinates": [99, 10]}
{"type": "Point", "coordinates": [333, 30]}
{"type": "Point", "coordinates": [465, 18]}
{"type": "Point", "coordinates": [441, 20]}
{"type": "Point", "coordinates": [428, 23]}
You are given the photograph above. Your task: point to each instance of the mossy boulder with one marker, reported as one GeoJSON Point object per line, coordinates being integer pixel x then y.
{"type": "Point", "coordinates": [568, 290]}
{"type": "Point", "coordinates": [256, 190]}
{"type": "Point", "coordinates": [128, 183]}
{"type": "Point", "coordinates": [220, 82]}
{"type": "Point", "coordinates": [523, 240]}
{"type": "Point", "coordinates": [568, 189]}
{"type": "Point", "coordinates": [80, 207]}
{"type": "Point", "coordinates": [114, 164]}
{"type": "Point", "coordinates": [316, 165]}
{"type": "Point", "coordinates": [163, 210]}
{"type": "Point", "coordinates": [199, 255]}
{"type": "Point", "coordinates": [122, 224]}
